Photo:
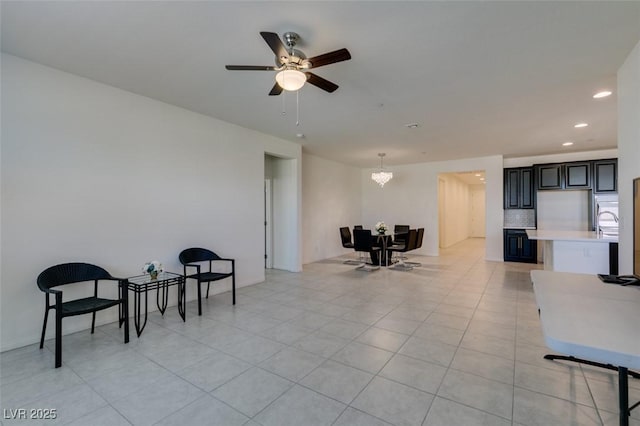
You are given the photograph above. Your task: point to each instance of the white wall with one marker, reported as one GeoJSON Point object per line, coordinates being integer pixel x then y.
{"type": "Point", "coordinates": [411, 197]}
{"type": "Point", "coordinates": [331, 199]}
{"type": "Point", "coordinates": [629, 149]}
{"type": "Point", "coordinates": [563, 210]}
{"type": "Point", "coordinates": [93, 173]}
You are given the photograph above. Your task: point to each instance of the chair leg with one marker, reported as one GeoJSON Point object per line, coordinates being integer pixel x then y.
{"type": "Point", "coordinates": [44, 327]}
{"type": "Point", "coordinates": [125, 314]}
{"type": "Point", "coordinates": [58, 338]}
{"type": "Point", "coordinates": [208, 284]}
{"type": "Point", "coordinates": [233, 286]}
{"type": "Point", "coordinates": [199, 300]}
{"type": "Point", "coordinates": [93, 322]}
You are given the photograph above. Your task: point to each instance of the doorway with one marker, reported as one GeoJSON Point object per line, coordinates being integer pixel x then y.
{"type": "Point", "coordinates": [282, 213]}
{"type": "Point", "coordinates": [268, 225]}
{"type": "Point", "coordinates": [461, 207]}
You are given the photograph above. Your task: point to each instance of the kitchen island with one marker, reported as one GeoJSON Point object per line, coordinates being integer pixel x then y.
{"type": "Point", "coordinates": [584, 252]}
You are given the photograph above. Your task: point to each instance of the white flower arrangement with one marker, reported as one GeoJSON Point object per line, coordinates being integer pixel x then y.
{"type": "Point", "coordinates": [152, 268]}
{"type": "Point", "coordinates": [381, 227]}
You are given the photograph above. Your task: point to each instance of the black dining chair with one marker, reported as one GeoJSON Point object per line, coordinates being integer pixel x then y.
{"type": "Point", "coordinates": [345, 236]}
{"type": "Point", "coordinates": [418, 244]}
{"type": "Point", "coordinates": [400, 231]}
{"type": "Point", "coordinates": [399, 236]}
{"type": "Point", "coordinates": [410, 244]}
{"type": "Point", "coordinates": [72, 273]}
{"type": "Point", "coordinates": [363, 242]}
{"type": "Point", "coordinates": [202, 260]}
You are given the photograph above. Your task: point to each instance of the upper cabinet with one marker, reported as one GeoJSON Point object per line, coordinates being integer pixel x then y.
{"type": "Point", "coordinates": [519, 190]}
{"type": "Point", "coordinates": [605, 176]}
{"type": "Point", "coordinates": [574, 175]}
{"type": "Point", "coordinates": [577, 175]}
{"type": "Point", "coordinates": [550, 176]}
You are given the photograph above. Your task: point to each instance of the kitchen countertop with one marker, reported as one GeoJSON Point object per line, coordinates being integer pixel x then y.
{"type": "Point", "coordinates": [518, 227]}
{"type": "Point", "coordinates": [582, 236]}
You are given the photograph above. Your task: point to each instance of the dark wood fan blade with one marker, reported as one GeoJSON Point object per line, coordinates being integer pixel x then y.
{"type": "Point", "coordinates": [329, 58]}
{"type": "Point", "coordinates": [275, 90]}
{"type": "Point", "coordinates": [321, 82]}
{"type": "Point", "coordinates": [250, 68]}
{"type": "Point", "coordinates": [275, 44]}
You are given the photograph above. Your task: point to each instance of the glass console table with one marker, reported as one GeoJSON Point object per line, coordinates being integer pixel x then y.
{"type": "Point", "coordinates": [143, 283]}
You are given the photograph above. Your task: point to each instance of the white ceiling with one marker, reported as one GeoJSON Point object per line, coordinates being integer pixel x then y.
{"type": "Point", "coordinates": [480, 78]}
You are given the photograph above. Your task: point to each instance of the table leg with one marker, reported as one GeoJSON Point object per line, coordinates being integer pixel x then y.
{"type": "Point", "coordinates": [182, 299]}
{"type": "Point", "coordinates": [623, 396]}
{"type": "Point", "coordinates": [137, 311]}
{"type": "Point", "coordinates": [162, 293]}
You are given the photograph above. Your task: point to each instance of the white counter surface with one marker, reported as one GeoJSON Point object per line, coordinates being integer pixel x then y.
{"type": "Point", "coordinates": [582, 236]}
{"type": "Point", "coordinates": [583, 317]}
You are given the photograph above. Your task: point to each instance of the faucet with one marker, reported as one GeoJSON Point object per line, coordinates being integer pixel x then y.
{"type": "Point", "coordinates": [615, 218]}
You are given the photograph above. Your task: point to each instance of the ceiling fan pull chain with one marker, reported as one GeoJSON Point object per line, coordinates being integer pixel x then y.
{"type": "Point", "coordinates": [283, 104]}
{"type": "Point", "coordinates": [297, 108]}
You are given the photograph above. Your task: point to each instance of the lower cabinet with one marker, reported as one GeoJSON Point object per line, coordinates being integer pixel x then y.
{"type": "Point", "coordinates": [518, 247]}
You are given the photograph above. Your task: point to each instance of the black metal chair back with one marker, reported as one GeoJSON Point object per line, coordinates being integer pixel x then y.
{"type": "Point", "coordinates": [420, 237]}
{"type": "Point", "coordinates": [357, 227]}
{"type": "Point", "coordinates": [400, 231]}
{"type": "Point", "coordinates": [362, 240]}
{"type": "Point", "coordinates": [69, 273]}
{"type": "Point", "coordinates": [345, 236]}
{"type": "Point", "coordinates": [197, 254]}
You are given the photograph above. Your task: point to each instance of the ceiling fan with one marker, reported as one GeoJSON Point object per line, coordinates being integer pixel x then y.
{"type": "Point", "coordinates": [292, 64]}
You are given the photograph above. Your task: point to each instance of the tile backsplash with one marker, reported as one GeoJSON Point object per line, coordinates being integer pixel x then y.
{"type": "Point", "coordinates": [519, 218]}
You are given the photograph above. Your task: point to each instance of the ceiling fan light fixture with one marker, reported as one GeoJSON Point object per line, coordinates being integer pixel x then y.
{"type": "Point", "coordinates": [291, 80]}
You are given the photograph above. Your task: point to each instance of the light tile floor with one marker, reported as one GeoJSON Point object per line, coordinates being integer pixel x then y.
{"type": "Point", "coordinates": [456, 341]}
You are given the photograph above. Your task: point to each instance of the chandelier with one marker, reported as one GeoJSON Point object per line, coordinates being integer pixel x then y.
{"type": "Point", "coordinates": [381, 176]}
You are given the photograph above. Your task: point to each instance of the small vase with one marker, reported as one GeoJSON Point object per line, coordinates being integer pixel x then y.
{"type": "Point", "coordinates": [154, 275]}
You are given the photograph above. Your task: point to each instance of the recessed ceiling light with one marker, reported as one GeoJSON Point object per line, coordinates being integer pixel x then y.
{"type": "Point", "coordinates": [602, 94]}
{"type": "Point", "coordinates": [567, 144]}
{"type": "Point", "coordinates": [577, 126]}
{"type": "Point", "coordinates": [481, 178]}
{"type": "Point", "coordinates": [478, 174]}
{"type": "Point", "coordinates": [300, 135]}
{"type": "Point", "coordinates": [411, 125]}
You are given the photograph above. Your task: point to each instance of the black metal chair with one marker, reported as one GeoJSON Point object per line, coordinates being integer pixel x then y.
{"type": "Point", "coordinates": [410, 244]}
{"type": "Point", "coordinates": [363, 242]}
{"type": "Point", "coordinates": [419, 239]}
{"type": "Point", "coordinates": [197, 257]}
{"type": "Point", "coordinates": [345, 236]}
{"type": "Point", "coordinates": [69, 273]}
{"type": "Point", "coordinates": [399, 231]}
{"type": "Point", "coordinates": [399, 236]}
{"type": "Point", "coordinates": [357, 227]}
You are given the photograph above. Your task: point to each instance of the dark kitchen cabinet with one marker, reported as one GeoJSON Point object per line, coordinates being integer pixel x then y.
{"type": "Point", "coordinates": [605, 176]}
{"type": "Point", "coordinates": [577, 175]}
{"type": "Point", "coordinates": [550, 176]}
{"type": "Point", "coordinates": [519, 190]}
{"type": "Point", "coordinates": [573, 175]}
{"type": "Point", "coordinates": [518, 247]}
